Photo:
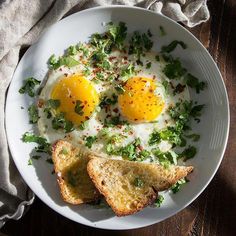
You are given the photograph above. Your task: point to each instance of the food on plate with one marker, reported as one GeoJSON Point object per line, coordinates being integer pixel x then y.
{"type": "Point", "coordinates": [130, 186]}
{"type": "Point", "coordinates": [116, 97]}
{"type": "Point", "coordinates": [70, 165]}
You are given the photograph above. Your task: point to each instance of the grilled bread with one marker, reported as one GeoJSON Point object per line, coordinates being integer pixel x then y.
{"type": "Point", "coordinates": [130, 186]}
{"type": "Point", "coordinates": [70, 165]}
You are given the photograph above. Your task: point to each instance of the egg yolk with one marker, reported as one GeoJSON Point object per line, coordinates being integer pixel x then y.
{"type": "Point", "coordinates": [78, 98]}
{"type": "Point", "coordinates": [139, 102]}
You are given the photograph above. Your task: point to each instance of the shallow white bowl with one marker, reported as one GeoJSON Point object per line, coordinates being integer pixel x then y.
{"type": "Point", "coordinates": [214, 125]}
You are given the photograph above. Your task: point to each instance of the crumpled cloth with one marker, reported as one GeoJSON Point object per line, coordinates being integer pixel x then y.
{"type": "Point", "coordinates": [21, 22]}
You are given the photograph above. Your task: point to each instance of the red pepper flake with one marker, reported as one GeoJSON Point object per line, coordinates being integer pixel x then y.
{"type": "Point", "coordinates": [154, 77]}
{"type": "Point", "coordinates": [40, 103]}
{"type": "Point", "coordinates": [66, 74]}
{"type": "Point", "coordinates": [119, 126]}
{"type": "Point", "coordinates": [151, 90]}
{"type": "Point", "coordinates": [111, 58]}
{"type": "Point", "coordinates": [86, 117]}
{"type": "Point", "coordinates": [116, 110]}
{"type": "Point", "coordinates": [140, 147]}
{"type": "Point", "coordinates": [60, 69]}
{"type": "Point", "coordinates": [125, 57]}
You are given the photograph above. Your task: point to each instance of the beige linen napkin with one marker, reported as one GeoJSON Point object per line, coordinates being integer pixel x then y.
{"type": "Point", "coordinates": [21, 22]}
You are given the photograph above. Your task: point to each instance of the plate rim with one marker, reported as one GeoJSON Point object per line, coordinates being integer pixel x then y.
{"type": "Point", "coordinates": [92, 224]}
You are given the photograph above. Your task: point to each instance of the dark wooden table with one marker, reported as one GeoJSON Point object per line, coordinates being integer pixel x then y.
{"type": "Point", "coordinates": [214, 212]}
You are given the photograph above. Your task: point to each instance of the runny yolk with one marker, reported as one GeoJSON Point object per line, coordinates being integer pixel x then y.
{"type": "Point", "coordinates": [139, 102]}
{"type": "Point", "coordinates": [75, 90]}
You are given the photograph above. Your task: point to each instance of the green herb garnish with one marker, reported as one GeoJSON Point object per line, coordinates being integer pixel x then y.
{"type": "Point", "coordinates": [33, 114]}
{"type": "Point", "coordinates": [106, 101]}
{"type": "Point", "coordinates": [138, 183]}
{"type": "Point", "coordinates": [176, 187]}
{"type": "Point", "coordinates": [154, 138]}
{"type": "Point", "coordinates": [79, 108]}
{"type": "Point", "coordinates": [90, 140]}
{"type": "Point", "coordinates": [159, 200]}
{"type": "Point", "coordinates": [162, 31]}
{"type": "Point", "coordinates": [188, 153]}
{"type": "Point", "coordinates": [170, 47]}
{"type": "Point", "coordinates": [43, 145]}
{"type": "Point", "coordinates": [194, 82]}
{"type": "Point", "coordinates": [29, 85]}
{"type": "Point", "coordinates": [59, 122]}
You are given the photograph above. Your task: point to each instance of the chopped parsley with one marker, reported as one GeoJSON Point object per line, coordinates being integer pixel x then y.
{"type": "Point", "coordinates": [83, 125]}
{"type": "Point", "coordinates": [117, 34]}
{"type": "Point", "coordinates": [90, 140]}
{"type": "Point", "coordinates": [162, 31]}
{"type": "Point", "coordinates": [72, 50]}
{"type": "Point", "coordinates": [138, 182]}
{"type": "Point", "coordinates": [79, 108]}
{"type": "Point", "coordinates": [29, 85]}
{"type": "Point", "coordinates": [59, 122]}
{"type": "Point", "coordinates": [64, 151]}
{"type": "Point", "coordinates": [174, 69]}
{"type": "Point", "coordinates": [68, 61]}
{"type": "Point", "coordinates": [127, 72]}
{"type": "Point", "coordinates": [43, 145]}
{"type": "Point", "coordinates": [106, 101]}
{"type": "Point", "coordinates": [176, 187]}
{"type": "Point", "coordinates": [194, 82]}
{"type": "Point", "coordinates": [30, 162]}
{"type": "Point", "coordinates": [188, 153]}
{"type": "Point", "coordinates": [165, 158]}
{"type": "Point", "coordinates": [154, 138]}
{"type": "Point", "coordinates": [194, 137]}
{"type": "Point", "coordinates": [148, 65]}
{"type": "Point", "coordinates": [50, 105]}
{"type": "Point", "coordinates": [170, 47]}
{"type": "Point", "coordinates": [159, 201]}
{"type": "Point", "coordinates": [119, 89]}
{"type": "Point", "coordinates": [33, 114]}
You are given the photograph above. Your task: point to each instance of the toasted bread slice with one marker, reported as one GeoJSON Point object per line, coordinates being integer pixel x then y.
{"type": "Point", "coordinates": [130, 186]}
{"type": "Point", "coordinates": [70, 165]}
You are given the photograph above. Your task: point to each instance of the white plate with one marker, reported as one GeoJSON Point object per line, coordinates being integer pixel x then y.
{"type": "Point", "coordinates": [214, 125]}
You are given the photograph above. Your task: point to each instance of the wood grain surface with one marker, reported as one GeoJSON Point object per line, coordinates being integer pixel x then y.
{"type": "Point", "coordinates": [214, 211]}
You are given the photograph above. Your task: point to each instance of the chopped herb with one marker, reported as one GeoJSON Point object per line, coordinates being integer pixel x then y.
{"type": "Point", "coordinates": [179, 89]}
{"type": "Point", "coordinates": [118, 34]}
{"type": "Point", "coordinates": [129, 151]}
{"type": "Point", "coordinates": [139, 43]}
{"type": "Point", "coordinates": [176, 187]}
{"type": "Point", "coordinates": [83, 49]}
{"type": "Point", "coordinates": [62, 61]}
{"type": "Point", "coordinates": [165, 84]}
{"type": "Point", "coordinates": [174, 69]}
{"type": "Point", "coordinates": [188, 153]}
{"type": "Point", "coordinates": [79, 108]}
{"type": "Point", "coordinates": [149, 33]}
{"type": "Point", "coordinates": [43, 145]}
{"type": "Point", "coordinates": [86, 71]}
{"type": "Point", "coordinates": [49, 105]}
{"type": "Point", "coordinates": [162, 31]}
{"type": "Point", "coordinates": [127, 72]}
{"type": "Point", "coordinates": [29, 85]}
{"type": "Point", "coordinates": [159, 200]}
{"type": "Point", "coordinates": [36, 157]}
{"type": "Point", "coordinates": [72, 50]}
{"type": "Point", "coordinates": [49, 160]}
{"type": "Point", "coordinates": [193, 82]}
{"type": "Point", "coordinates": [83, 125]}
{"type": "Point", "coordinates": [194, 137]}
{"type": "Point", "coordinates": [148, 65]}
{"type": "Point", "coordinates": [165, 158]}
{"type": "Point", "coordinates": [72, 177]}
{"type": "Point", "coordinates": [119, 89]}
{"type": "Point", "coordinates": [170, 47]}
{"type": "Point", "coordinates": [64, 151]}
{"type": "Point", "coordinates": [59, 122]}
{"type": "Point", "coordinates": [90, 140]}
{"type": "Point", "coordinates": [138, 183]}
{"type": "Point", "coordinates": [157, 57]}
{"type": "Point", "coordinates": [144, 154]}
{"type": "Point", "coordinates": [154, 138]}
{"type": "Point", "coordinates": [33, 114]}
{"type": "Point", "coordinates": [106, 101]}
{"type": "Point", "coordinates": [30, 162]}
